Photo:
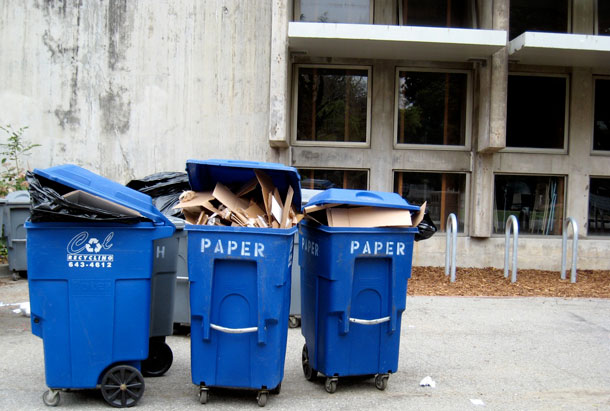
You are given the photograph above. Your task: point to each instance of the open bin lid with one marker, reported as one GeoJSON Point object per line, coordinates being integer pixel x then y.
{"type": "Point", "coordinates": [361, 198]}
{"type": "Point", "coordinates": [204, 174]}
{"type": "Point", "coordinates": [79, 178]}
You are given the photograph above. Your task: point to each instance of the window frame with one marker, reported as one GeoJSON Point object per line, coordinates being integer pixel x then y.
{"type": "Point", "coordinates": [473, 11]}
{"type": "Point", "coordinates": [594, 236]}
{"type": "Point", "coordinates": [568, 22]}
{"type": "Point", "coordinates": [594, 152]}
{"type": "Point", "coordinates": [467, 193]}
{"type": "Point", "coordinates": [596, 17]}
{"type": "Point", "coordinates": [295, 105]}
{"type": "Point", "coordinates": [367, 170]}
{"type": "Point", "coordinates": [297, 12]}
{"type": "Point", "coordinates": [566, 121]}
{"type": "Point", "coordinates": [524, 233]}
{"type": "Point", "coordinates": [469, 107]}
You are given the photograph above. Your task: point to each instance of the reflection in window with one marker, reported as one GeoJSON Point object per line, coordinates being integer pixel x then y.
{"type": "Point", "coordinates": [332, 104]}
{"type": "Point", "coordinates": [601, 126]}
{"type": "Point", "coordinates": [444, 192]}
{"type": "Point", "coordinates": [335, 11]}
{"type": "Point", "coordinates": [599, 206]}
{"type": "Point", "coordinates": [436, 13]}
{"type": "Point", "coordinates": [536, 112]}
{"type": "Point", "coordinates": [603, 17]}
{"type": "Point", "coordinates": [320, 179]}
{"type": "Point", "coordinates": [536, 201]}
{"type": "Point", "coordinates": [538, 15]}
{"type": "Point", "coordinates": [432, 108]}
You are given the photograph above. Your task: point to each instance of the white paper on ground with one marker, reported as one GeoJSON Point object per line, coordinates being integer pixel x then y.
{"type": "Point", "coordinates": [477, 401]}
{"type": "Point", "coordinates": [427, 382]}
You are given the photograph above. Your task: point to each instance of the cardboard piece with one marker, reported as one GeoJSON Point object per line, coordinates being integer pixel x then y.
{"type": "Point", "coordinates": [314, 208]}
{"type": "Point", "coordinates": [417, 218]}
{"type": "Point", "coordinates": [287, 208]}
{"type": "Point", "coordinates": [90, 200]}
{"type": "Point", "coordinates": [247, 188]}
{"type": "Point", "coordinates": [267, 188]}
{"type": "Point", "coordinates": [230, 200]}
{"type": "Point", "coordinates": [194, 200]}
{"type": "Point", "coordinates": [368, 217]}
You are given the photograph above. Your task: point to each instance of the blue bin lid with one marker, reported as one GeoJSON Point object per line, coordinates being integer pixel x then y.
{"type": "Point", "coordinates": [79, 178]}
{"type": "Point", "coordinates": [361, 198]}
{"type": "Point", "coordinates": [204, 174]}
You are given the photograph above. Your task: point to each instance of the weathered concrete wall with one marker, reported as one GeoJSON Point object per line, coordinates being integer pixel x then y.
{"type": "Point", "coordinates": [127, 88]}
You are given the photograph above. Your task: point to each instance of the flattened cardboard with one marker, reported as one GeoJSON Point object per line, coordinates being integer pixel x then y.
{"type": "Point", "coordinates": [266, 188]}
{"type": "Point", "coordinates": [230, 200]}
{"type": "Point", "coordinates": [247, 188]}
{"type": "Point", "coordinates": [287, 207]}
{"type": "Point", "coordinates": [314, 208]}
{"type": "Point", "coordinates": [368, 217]}
{"type": "Point", "coordinates": [420, 214]}
{"type": "Point", "coordinates": [198, 199]}
{"type": "Point", "coordinates": [90, 200]}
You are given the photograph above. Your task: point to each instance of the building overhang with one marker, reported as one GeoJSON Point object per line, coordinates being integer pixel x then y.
{"type": "Point", "coordinates": [559, 49]}
{"type": "Point", "coordinates": [393, 42]}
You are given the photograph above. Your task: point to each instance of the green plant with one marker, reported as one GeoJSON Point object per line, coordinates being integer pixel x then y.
{"type": "Point", "coordinates": [12, 177]}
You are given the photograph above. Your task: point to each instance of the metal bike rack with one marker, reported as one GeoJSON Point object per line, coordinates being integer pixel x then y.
{"type": "Point", "coordinates": [564, 248]}
{"type": "Point", "coordinates": [514, 224]}
{"type": "Point", "coordinates": [451, 243]}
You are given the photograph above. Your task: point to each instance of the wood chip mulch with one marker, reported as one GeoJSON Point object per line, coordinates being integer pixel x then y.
{"type": "Point", "coordinates": [491, 282]}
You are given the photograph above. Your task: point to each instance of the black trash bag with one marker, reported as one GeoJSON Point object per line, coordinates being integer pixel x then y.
{"type": "Point", "coordinates": [165, 189]}
{"type": "Point", "coordinates": [426, 228]}
{"type": "Point", "coordinates": [47, 204]}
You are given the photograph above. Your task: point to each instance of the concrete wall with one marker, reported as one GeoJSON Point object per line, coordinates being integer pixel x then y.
{"type": "Point", "coordinates": [128, 88]}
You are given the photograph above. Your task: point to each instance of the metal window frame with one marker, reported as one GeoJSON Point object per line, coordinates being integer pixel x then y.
{"type": "Point", "coordinates": [469, 107]}
{"type": "Point", "coordinates": [594, 152]}
{"type": "Point", "coordinates": [473, 11]}
{"type": "Point", "coordinates": [297, 11]}
{"type": "Point", "coordinates": [367, 170]}
{"type": "Point", "coordinates": [295, 100]}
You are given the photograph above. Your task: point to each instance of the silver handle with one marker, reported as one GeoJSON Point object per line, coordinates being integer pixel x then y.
{"type": "Point", "coordinates": [234, 330]}
{"type": "Point", "coordinates": [369, 322]}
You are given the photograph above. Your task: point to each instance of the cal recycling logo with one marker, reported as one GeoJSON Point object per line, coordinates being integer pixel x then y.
{"type": "Point", "coordinates": [85, 251]}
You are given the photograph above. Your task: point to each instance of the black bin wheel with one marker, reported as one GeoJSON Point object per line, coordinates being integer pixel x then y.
{"type": "Point", "coordinates": [50, 398]}
{"type": "Point", "coordinates": [122, 386]}
{"type": "Point", "coordinates": [160, 358]}
{"type": "Point", "coordinates": [331, 384]}
{"type": "Point", "coordinates": [381, 381]}
{"type": "Point", "coordinates": [310, 373]}
{"type": "Point", "coordinates": [294, 322]}
{"type": "Point", "coordinates": [204, 395]}
{"type": "Point", "coordinates": [261, 398]}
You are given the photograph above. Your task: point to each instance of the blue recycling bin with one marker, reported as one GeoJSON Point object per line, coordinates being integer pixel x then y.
{"type": "Point", "coordinates": [353, 291]}
{"type": "Point", "coordinates": [89, 285]}
{"type": "Point", "coordinates": [239, 288]}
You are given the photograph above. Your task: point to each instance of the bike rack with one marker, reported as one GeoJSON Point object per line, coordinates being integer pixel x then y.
{"type": "Point", "coordinates": [451, 243]}
{"type": "Point", "coordinates": [514, 224]}
{"type": "Point", "coordinates": [564, 248]}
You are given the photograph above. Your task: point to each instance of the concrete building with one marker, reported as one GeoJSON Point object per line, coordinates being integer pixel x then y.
{"type": "Point", "coordinates": [483, 108]}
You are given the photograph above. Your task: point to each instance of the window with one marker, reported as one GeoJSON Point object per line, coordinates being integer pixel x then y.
{"type": "Point", "coordinates": [538, 15]}
{"type": "Point", "coordinates": [320, 179]}
{"type": "Point", "coordinates": [432, 108]}
{"type": "Point", "coordinates": [332, 104]}
{"type": "Point", "coordinates": [436, 13]}
{"type": "Point", "coordinates": [536, 201]}
{"type": "Point", "coordinates": [334, 11]}
{"type": "Point", "coordinates": [444, 192]}
{"type": "Point", "coordinates": [601, 126]}
{"type": "Point", "coordinates": [536, 112]}
{"type": "Point", "coordinates": [599, 206]}
{"type": "Point", "coordinates": [603, 17]}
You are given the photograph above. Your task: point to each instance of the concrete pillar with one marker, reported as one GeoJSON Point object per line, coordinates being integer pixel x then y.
{"type": "Point", "coordinates": [385, 12]}
{"type": "Point", "coordinates": [583, 16]}
{"type": "Point", "coordinates": [382, 128]}
{"type": "Point", "coordinates": [499, 80]}
{"type": "Point", "coordinates": [279, 81]}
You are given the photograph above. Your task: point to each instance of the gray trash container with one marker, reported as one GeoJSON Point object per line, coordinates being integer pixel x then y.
{"type": "Point", "coordinates": [162, 293]}
{"type": "Point", "coordinates": [15, 212]}
{"type": "Point", "coordinates": [182, 309]}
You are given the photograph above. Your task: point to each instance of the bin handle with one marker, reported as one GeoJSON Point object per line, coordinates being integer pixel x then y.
{"type": "Point", "coordinates": [369, 322]}
{"type": "Point", "coordinates": [233, 330]}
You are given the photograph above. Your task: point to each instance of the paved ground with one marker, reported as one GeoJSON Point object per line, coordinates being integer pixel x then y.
{"type": "Point", "coordinates": [509, 353]}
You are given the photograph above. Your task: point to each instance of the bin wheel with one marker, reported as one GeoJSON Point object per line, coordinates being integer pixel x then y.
{"type": "Point", "coordinates": [310, 373]}
{"type": "Point", "coordinates": [294, 321]}
{"type": "Point", "coordinates": [381, 381]}
{"type": "Point", "coordinates": [204, 395]}
{"type": "Point", "coordinates": [261, 398]}
{"type": "Point", "coordinates": [159, 359]}
{"type": "Point", "coordinates": [331, 384]}
{"type": "Point", "coordinates": [122, 386]}
{"type": "Point", "coordinates": [51, 398]}
{"type": "Point", "coordinates": [15, 276]}
{"type": "Point", "coordinates": [277, 389]}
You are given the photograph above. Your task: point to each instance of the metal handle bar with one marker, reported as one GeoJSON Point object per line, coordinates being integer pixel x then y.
{"type": "Point", "coordinates": [234, 330]}
{"type": "Point", "coordinates": [369, 322]}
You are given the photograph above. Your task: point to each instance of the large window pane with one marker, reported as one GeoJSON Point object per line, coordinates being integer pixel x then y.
{"type": "Point", "coordinates": [444, 192]}
{"type": "Point", "coordinates": [599, 206]}
{"type": "Point", "coordinates": [320, 179]}
{"type": "Point", "coordinates": [601, 128]}
{"type": "Point", "coordinates": [432, 108]}
{"type": "Point", "coordinates": [536, 201]}
{"type": "Point", "coordinates": [603, 17]}
{"type": "Point", "coordinates": [536, 112]}
{"type": "Point", "coordinates": [335, 11]}
{"type": "Point", "coordinates": [332, 104]}
{"type": "Point", "coordinates": [538, 15]}
{"type": "Point", "coordinates": [436, 13]}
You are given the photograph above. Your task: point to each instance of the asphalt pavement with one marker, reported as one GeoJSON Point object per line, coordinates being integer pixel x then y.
{"type": "Point", "coordinates": [481, 353]}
